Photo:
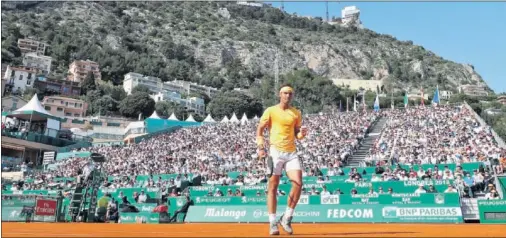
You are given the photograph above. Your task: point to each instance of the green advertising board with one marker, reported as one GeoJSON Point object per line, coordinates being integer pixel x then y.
{"type": "Point", "coordinates": [502, 182]}
{"type": "Point", "coordinates": [419, 213]}
{"type": "Point", "coordinates": [14, 214]}
{"type": "Point", "coordinates": [345, 199]}
{"type": "Point", "coordinates": [492, 211]}
{"type": "Point", "coordinates": [139, 217]}
{"type": "Point", "coordinates": [362, 187]}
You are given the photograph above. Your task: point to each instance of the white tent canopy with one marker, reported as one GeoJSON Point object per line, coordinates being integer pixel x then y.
{"type": "Point", "coordinates": [255, 118]}
{"type": "Point", "coordinates": [209, 118]}
{"type": "Point", "coordinates": [190, 118]}
{"type": "Point", "coordinates": [244, 118]}
{"type": "Point", "coordinates": [154, 115]}
{"type": "Point", "coordinates": [225, 119]}
{"type": "Point", "coordinates": [173, 117]}
{"type": "Point", "coordinates": [234, 118]}
{"type": "Point", "coordinates": [33, 110]}
{"type": "Point", "coordinates": [34, 105]}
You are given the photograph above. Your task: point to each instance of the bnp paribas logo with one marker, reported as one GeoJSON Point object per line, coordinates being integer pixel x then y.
{"type": "Point", "coordinates": [257, 213]}
{"type": "Point", "coordinates": [439, 198]}
{"type": "Point", "coordinates": [389, 212]}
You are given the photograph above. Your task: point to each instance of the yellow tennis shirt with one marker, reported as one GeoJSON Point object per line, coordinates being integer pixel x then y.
{"type": "Point", "coordinates": [282, 125]}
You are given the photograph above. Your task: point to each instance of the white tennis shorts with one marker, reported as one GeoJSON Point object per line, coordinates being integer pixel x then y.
{"type": "Point", "coordinates": [282, 160]}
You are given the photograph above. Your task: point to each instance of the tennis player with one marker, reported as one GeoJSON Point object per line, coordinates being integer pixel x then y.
{"type": "Point", "coordinates": [285, 125]}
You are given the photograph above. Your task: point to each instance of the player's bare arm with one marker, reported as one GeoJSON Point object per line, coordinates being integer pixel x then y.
{"type": "Point", "coordinates": [264, 123]}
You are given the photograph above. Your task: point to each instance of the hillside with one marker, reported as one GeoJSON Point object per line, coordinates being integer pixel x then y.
{"type": "Point", "coordinates": [198, 41]}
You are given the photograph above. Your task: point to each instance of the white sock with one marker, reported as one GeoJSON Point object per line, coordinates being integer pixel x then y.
{"type": "Point", "coordinates": [289, 212]}
{"type": "Point", "coordinates": [272, 218]}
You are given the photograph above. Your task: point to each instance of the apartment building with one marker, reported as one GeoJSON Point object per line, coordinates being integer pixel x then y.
{"type": "Point", "coordinates": [35, 60]}
{"type": "Point", "coordinates": [351, 15]}
{"type": "Point", "coordinates": [65, 107]}
{"type": "Point", "coordinates": [356, 84]}
{"type": "Point", "coordinates": [190, 87]}
{"type": "Point", "coordinates": [12, 103]}
{"type": "Point", "coordinates": [132, 80]}
{"type": "Point", "coordinates": [250, 3]}
{"type": "Point", "coordinates": [445, 94]}
{"type": "Point", "coordinates": [194, 104]}
{"type": "Point", "coordinates": [473, 90]}
{"type": "Point", "coordinates": [502, 99]}
{"type": "Point", "coordinates": [79, 69]}
{"type": "Point", "coordinates": [18, 78]}
{"type": "Point", "coordinates": [60, 86]}
{"type": "Point", "coordinates": [156, 85]}
{"type": "Point", "coordinates": [30, 45]}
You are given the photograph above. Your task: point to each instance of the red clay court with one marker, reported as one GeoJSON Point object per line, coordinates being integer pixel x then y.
{"type": "Point", "coordinates": [248, 230]}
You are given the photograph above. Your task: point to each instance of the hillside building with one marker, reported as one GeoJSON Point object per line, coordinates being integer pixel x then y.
{"type": "Point", "coordinates": [445, 95]}
{"type": "Point", "coordinates": [30, 45]}
{"type": "Point", "coordinates": [473, 90]}
{"type": "Point", "coordinates": [18, 78]}
{"type": "Point", "coordinates": [193, 105]}
{"type": "Point", "coordinates": [65, 107]}
{"type": "Point", "coordinates": [79, 69]}
{"type": "Point", "coordinates": [356, 84]}
{"type": "Point", "coordinates": [502, 99]}
{"type": "Point", "coordinates": [250, 3]}
{"type": "Point", "coordinates": [12, 103]}
{"type": "Point", "coordinates": [35, 60]}
{"type": "Point", "coordinates": [59, 86]}
{"type": "Point", "coordinates": [156, 85]}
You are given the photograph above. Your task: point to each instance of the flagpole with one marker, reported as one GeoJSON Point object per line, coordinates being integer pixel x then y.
{"type": "Point", "coordinates": [392, 99]}
{"type": "Point", "coordinates": [346, 104]}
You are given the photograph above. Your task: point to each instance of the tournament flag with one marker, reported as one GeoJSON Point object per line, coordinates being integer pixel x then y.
{"type": "Point", "coordinates": [435, 99]}
{"type": "Point", "coordinates": [406, 100]}
{"type": "Point", "coordinates": [376, 104]}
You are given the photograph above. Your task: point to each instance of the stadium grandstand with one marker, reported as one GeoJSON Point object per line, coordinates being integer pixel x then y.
{"type": "Point", "coordinates": [420, 164]}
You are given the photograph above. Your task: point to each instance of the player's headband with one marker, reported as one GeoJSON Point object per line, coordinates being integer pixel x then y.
{"type": "Point", "coordinates": [286, 89]}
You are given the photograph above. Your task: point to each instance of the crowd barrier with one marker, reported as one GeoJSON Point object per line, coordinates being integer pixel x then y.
{"type": "Point", "coordinates": [30, 208]}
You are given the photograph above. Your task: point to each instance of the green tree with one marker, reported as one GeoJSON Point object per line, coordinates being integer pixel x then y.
{"type": "Point", "coordinates": [139, 102]}
{"type": "Point", "coordinates": [165, 109]}
{"type": "Point", "coordinates": [198, 117]}
{"type": "Point", "coordinates": [265, 91]}
{"type": "Point", "coordinates": [88, 83]}
{"type": "Point", "coordinates": [313, 92]}
{"type": "Point", "coordinates": [116, 92]}
{"type": "Point", "coordinates": [226, 103]}
{"type": "Point", "coordinates": [140, 89]}
{"type": "Point", "coordinates": [91, 97]}
{"type": "Point", "coordinates": [105, 106]}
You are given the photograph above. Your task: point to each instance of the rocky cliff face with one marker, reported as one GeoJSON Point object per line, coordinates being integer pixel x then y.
{"type": "Point", "coordinates": [215, 34]}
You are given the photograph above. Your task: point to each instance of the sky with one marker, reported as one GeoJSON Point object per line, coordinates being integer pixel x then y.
{"type": "Point", "coordinates": [464, 32]}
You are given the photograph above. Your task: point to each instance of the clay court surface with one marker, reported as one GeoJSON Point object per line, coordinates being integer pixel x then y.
{"type": "Point", "coordinates": [248, 230]}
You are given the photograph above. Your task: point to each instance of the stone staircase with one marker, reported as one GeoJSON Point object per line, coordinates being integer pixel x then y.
{"type": "Point", "coordinates": [367, 143]}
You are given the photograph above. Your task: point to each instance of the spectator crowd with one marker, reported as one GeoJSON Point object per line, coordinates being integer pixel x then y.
{"type": "Point", "coordinates": [429, 135]}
